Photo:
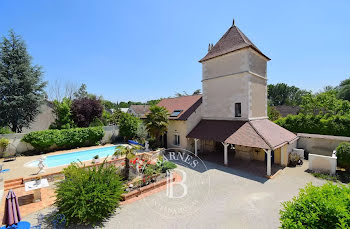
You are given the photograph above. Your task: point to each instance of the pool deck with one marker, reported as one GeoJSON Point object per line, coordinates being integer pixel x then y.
{"type": "Point", "coordinates": [19, 170]}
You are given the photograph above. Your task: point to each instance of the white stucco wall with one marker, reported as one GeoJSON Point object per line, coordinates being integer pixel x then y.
{"type": "Point", "coordinates": [257, 63]}
{"type": "Point", "coordinates": [237, 77]}
{"type": "Point", "coordinates": [258, 97]}
{"type": "Point", "coordinates": [228, 64]}
{"type": "Point", "coordinates": [221, 94]}
{"type": "Point", "coordinates": [320, 144]}
{"type": "Point", "coordinates": [325, 164]}
{"type": "Point", "coordinates": [180, 128]}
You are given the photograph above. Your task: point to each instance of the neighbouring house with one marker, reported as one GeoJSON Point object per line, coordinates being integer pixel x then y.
{"type": "Point", "coordinates": [124, 110]}
{"type": "Point", "coordinates": [139, 110]}
{"type": "Point", "coordinates": [231, 115]}
{"type": "Point", "coordinates": [43, 120]}
{"type": "Point", "coordinates": [285, 110]}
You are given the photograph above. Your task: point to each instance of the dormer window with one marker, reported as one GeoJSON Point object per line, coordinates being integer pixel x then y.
{"type": "Point", "coordinates": [175, 113]}
{"type": "Point", "coordinates": [238, 110]}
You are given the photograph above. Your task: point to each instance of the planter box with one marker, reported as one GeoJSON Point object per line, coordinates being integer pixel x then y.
{"type": "Point", "coordinates": [150, 187]}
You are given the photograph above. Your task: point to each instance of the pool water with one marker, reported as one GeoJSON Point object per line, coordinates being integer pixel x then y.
{"type": "Point", "coordinates": [67, 158]}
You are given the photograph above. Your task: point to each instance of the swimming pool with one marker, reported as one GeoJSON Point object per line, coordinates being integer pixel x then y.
{"type": "Point", "coordinates": [67, 158]}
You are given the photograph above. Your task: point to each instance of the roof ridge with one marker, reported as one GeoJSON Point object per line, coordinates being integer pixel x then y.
{"type": "Point", "coordinates": [183, 96]}
{"type": "Point", "coordinates": [244, 37]}
{"type": "Point", "coordinates": [250, 123]}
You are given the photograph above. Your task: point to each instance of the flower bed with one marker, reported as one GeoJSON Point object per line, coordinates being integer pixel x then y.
{"type": "Point", "coordinates": [147, 188]}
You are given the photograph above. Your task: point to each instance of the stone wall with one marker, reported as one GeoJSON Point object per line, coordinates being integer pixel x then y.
{"type": "Point", "coordinates": [320, 144]}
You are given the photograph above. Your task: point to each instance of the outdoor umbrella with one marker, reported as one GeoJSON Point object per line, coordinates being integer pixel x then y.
{"type": "Point", "coordinates": [12, 215]}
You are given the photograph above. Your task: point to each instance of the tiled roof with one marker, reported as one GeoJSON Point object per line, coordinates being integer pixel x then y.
{"type": "Point", "coordinates": [231, 41]}
{"type": "Point", "coordinates": [273, 134]}
{"type": "Point", "coordinates": [260, 133]}
{"type": "Point", "coordinates": [140, 110]}
{"type": "Point", "coordinates": [188, 105]}
{"type": "Point", "coordinates": [287, 110]}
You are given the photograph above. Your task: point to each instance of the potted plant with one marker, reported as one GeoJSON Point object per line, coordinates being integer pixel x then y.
{"type": "Point", "coordinates": [293, 159]}
{"type": "Point", "coordinates": [96, 159]}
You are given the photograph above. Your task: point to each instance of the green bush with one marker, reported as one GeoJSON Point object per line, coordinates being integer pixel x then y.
{"type": "Point", "coordinates": [167, 165]}
{"type": "Point", "coordinates": [327, 206]}
{"type": "Point", "coordinates": [162, 167]}
{"type": "Point", "coordinates": [64, 139]}
{"type": "Point", "coordinates": [152, 170]}
{"type": "Point", "coordinates": [4, 143]}
{"type": "Point", "coordinates": [96, 122]}
{"type": "Point", "coordinates": [88, 195]}
{"type": "Point", "coordinates": [154, 144]}
{"type": "Point", "coordinates": [5, 130]}
{"type": "Point", "coordinates": [338, 125]}
{"type": "Point", "coordinates": [128, 125]}
{"type": "Point", "coordinates": [343, 155]}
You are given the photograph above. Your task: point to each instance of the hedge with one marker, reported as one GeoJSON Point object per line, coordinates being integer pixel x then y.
{"type": "Point", "coordinates": [338, 125]}
{"type": "Point", "coordinates": [327, 206]}
{"type": "Point", "coordinates": [64, 139]}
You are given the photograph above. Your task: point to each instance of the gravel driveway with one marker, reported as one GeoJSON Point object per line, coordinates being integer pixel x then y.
{"type": "Point", "coordinates": [236, 200]}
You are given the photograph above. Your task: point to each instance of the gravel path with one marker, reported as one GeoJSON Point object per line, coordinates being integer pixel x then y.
{"type": "Point", "coordinates": [235, 200]}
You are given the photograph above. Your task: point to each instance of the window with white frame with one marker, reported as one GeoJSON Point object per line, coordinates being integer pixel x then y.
{"type": "Point", "coordinates": [177, 139]}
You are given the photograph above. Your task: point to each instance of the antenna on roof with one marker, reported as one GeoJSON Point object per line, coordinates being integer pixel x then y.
{"type": "Point", "coordinates": [233, 22]}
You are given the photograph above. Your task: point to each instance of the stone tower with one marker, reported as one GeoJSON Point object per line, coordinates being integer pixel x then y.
{"type": "Point", "coordinates": [234, 80]}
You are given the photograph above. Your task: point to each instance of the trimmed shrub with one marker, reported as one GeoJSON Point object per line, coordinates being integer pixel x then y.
{"type": "Point", "coordinates": [327, 206]}
{"type": "Point", "coordinates": [64, 139]}
{"type": "Point", "coordinates": [4, 142]}
{"type": "Point", "coordinates": [343, 155]}
{"type": "Point", "coordinates": [88, 195]}
{"type": "Point", "coordinates": [338, 125]}
{"type": "Point", "coordinates": [5, 130]}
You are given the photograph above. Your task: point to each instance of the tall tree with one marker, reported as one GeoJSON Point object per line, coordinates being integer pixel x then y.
{"type": "Point", "coordinates": [157, 121]}
{"type": "Point", "coordinates": [86, 110]}
{"type": "Point", "coordinates": [21, 85]}
{"type": "Point", "coordinates": [64, 118]}
{"type": "Point", "coordinates": [282, 94]}
{"type": "Point", "coordinates": [344, 90]}
{"type": "Point", "coordinates": [197, 92]}
{"type": "Point", "coordinates": [128, 125]}
{"type": "Point", "coordinates": [82, 92]}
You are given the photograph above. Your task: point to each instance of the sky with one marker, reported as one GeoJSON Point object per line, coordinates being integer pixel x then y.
{"type": "Point", "coordinates": [143, 50]}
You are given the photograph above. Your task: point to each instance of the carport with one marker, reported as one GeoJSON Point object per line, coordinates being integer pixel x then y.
{"type": "Point", "coordinates": [246, 137]}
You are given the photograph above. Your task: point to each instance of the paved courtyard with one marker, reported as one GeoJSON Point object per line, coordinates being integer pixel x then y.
{"type": "Point", "coordinates": [236, 200]}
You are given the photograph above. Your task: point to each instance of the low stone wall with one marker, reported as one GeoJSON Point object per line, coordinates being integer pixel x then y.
{"type": "Point", "coordinates": [323, 164]}
{"type": "Point", "coordinates": [320, 144]}
{"type": "Point", "coordinates": [16, 146]}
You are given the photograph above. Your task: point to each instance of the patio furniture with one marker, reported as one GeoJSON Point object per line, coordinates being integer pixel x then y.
{"type": "Point", "coordinates": [36, 186]}
{"type": "Point", "coordinates": [59, 221]}
{"type": "Point", "coordinates": [134, 143]}
{"type": "Point", "coordinates": [20, 225]}
{"type": "Point", "coordinates": [12, 214]}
